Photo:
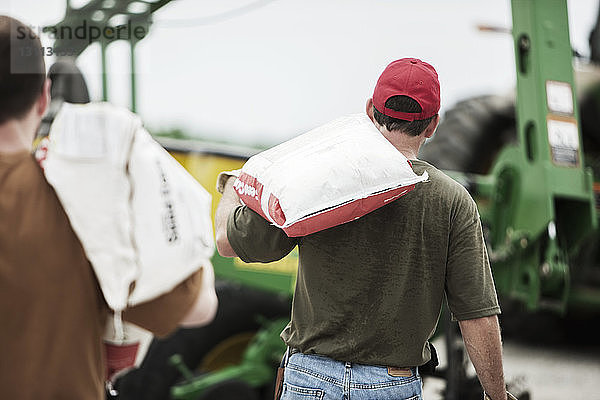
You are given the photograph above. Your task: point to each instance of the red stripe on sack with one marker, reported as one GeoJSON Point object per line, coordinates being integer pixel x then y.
{"type": "Point", "coordinates": [249, 190]}
{"type": "Point", "coordinates": [275, 210]}
{"type": "Point", "coordinates": [346, 213]}
{"type": "Point", "coordinates": [119, 357]}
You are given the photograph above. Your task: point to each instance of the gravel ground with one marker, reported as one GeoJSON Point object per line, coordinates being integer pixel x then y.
{"type": "Point", "coordinates": [556, 370]}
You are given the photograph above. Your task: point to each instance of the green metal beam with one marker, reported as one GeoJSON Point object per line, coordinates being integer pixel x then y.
{"type": "Point", "coordinates": [543, 204]}
{"type": "Point", "coordinates": [132, 45]}
{"type": "Point", "coordinates": [93, 23]}
{"type": "Point", "coordinates": [104, 74]}
{"type": "Point", "coordinates": [547, 117]}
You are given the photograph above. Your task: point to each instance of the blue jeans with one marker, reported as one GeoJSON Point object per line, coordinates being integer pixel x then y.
{"type": "Point", "coordinates": [314, 377]}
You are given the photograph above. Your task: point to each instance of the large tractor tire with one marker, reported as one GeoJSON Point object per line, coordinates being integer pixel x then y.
{"type": "Point", "coordinates": [471, 134]}
{"type": "Point", "coordinates": [240, 315]}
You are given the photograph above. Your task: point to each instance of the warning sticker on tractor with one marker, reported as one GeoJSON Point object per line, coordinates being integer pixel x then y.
{"type": "Point", "coordinates": [563, 137]}
{"type": "Point", "coordinates": [560, 97]}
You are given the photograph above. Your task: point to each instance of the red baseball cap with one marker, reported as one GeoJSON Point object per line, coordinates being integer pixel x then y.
{"type": "Point", "coordinates": [413, 78]}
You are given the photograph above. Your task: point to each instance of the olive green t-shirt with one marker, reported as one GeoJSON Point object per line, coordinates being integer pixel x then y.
{"type": "Point", "coordinates": [370, 291]}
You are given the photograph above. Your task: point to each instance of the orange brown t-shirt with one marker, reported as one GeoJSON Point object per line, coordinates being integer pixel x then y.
{"type": "Point", "coordinates": [51, 307]}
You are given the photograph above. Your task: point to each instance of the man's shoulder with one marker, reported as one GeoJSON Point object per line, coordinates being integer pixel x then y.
{"type": "Point", "coordinates": [440, 181]}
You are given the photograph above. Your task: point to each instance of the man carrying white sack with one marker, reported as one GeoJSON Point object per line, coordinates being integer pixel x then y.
{"type": "Point", "coordinates": [52, 309]}
{"type": "Point", "coordinates": [369, 292]}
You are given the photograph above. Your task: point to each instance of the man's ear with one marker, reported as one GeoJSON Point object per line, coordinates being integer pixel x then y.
{"type": "Point", "coordinates": [370, 109]}
{"type": "Point", "coordinates": [429, 131]}
{"type": "Point", "coordinates": [44, 100]}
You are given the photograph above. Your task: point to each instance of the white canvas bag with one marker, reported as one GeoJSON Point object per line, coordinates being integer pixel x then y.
{"type": "Point", "coordinates": [137, 212]}
{"type": "Point", "coordinates": [331, 175]}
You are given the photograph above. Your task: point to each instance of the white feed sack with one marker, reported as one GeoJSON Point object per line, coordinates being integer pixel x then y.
{"type": "Point", "coordinates": [137, 212]}
{"type": "Point", "coordinates": [329, 176]}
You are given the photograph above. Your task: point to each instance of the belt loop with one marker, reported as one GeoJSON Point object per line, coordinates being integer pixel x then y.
{"type": "Point", "coordinates": [286, 357]}
{"type": "Point", "coordinates": [347, 380]}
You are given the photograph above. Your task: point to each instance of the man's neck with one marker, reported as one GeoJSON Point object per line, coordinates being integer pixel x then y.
{"type": "Point", "coordinates": [407, 151]}
{"type": "Point", "coordinates": [14, 137]}
{"type": "Point", "coordinates": [407, 145]}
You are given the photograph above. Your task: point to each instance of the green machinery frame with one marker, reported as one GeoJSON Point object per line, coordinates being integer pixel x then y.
{"type": "Point", "coordinates": [109, 20]}
{"type": "Point", "coordinates": [537, 201]}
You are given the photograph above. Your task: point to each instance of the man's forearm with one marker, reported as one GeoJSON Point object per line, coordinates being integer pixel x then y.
{"type": "Point", "coordinates": [484, 346]}
{"type": "Point", "coordinates": [228, 203]}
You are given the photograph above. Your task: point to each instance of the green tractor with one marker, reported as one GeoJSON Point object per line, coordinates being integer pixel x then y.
{"type": "Point", "coordinates": [522, 158]}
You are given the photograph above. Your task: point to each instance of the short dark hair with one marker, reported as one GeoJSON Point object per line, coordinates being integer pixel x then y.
{"type": "Point", "coordinates": [22, 69]}
{"type": "Point", "coordinates": [403, 104]}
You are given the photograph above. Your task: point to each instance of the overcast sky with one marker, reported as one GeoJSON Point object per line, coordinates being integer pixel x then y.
{"type": "Point", "coordinates": [289, 65]}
